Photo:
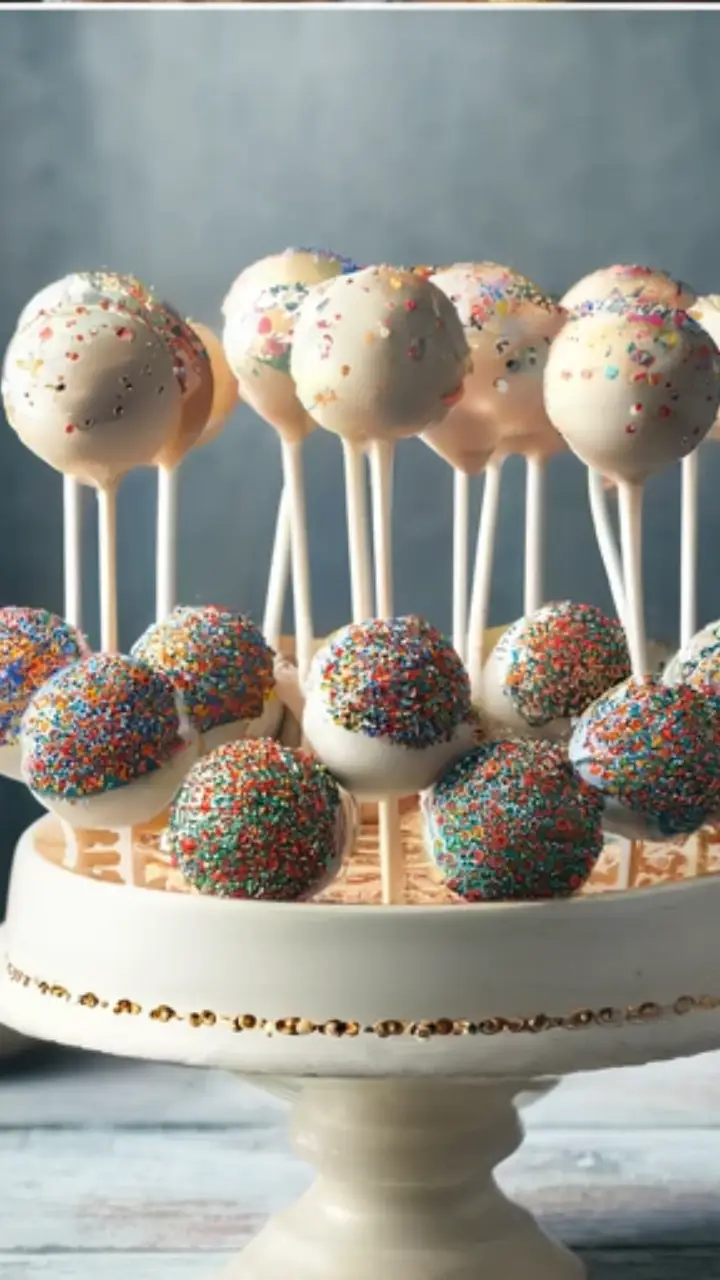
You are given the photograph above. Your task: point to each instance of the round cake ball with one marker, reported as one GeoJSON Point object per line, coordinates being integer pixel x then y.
{"type": "Point", "coordinates": [225, 389]}
{"type": "Point", "coordinates": [223, 668]}
{"type": "Point", "coordinates": [260, 314]}
{"type": "Point", "coordinates": [646, 286]}
{"type": "Point", "coordinates": [653, 752]}
{"type": "Point", "coordinates": [509, 325]}
{"type": "Point", "coordinates": [105, 743]}
{"type": "Point", "coordinates": [703, 646]}
{"type": "Point", "coordinates": [546, 669]}
{"type": "Point", "coordinates": [92, 393]}
{"type": "Point", "coordinates": [513, 821]}
{"type": "Point", "coordinates": [388, 706]}
{"type": "Point", "coordinates": [378, 354]}
{"type": "Point", "coordinates": [34, 644]}
{"type": "Point", "coordinates": [258, 820]}
{"type": "Point", "coordinates": [632, 391]}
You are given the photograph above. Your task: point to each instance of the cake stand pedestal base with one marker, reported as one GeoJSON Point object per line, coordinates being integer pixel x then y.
{"type": "Point", "coordinates": [405, 1189]}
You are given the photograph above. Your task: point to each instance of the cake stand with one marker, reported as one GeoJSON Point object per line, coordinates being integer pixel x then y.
{"type": "Point", "coordinates": [404, 1035]}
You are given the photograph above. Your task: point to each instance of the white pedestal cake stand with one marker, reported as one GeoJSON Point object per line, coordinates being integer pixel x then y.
{"type": "Point", "coordinates": [403, 1035]}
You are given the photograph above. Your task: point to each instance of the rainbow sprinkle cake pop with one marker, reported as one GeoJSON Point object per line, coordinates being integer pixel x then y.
{"type": "Point", "coordinates": [388, 706]}
{"type": "Point", "coordinates": [704, 645]}
{"type": "Point", "coordinates": [105, 743]}
{"type": "Point", "coordinates": [34, 645]}
{"type": "Point", "coordinates": [546, 669]}
{"type": "Point", "coordinates": [653, 752]}
{"type": "Point", "coordinates": [222, 667]}
{"type": "Point", "coordinates": [258, 820]}
{"type": "Point", "coordinates": [512, 821]}
{"type": "Point", "coordinates": [645, 286]}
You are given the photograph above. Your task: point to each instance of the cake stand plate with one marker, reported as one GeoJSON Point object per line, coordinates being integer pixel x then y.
{"type": "Point", "coordinates": [404, 1036]}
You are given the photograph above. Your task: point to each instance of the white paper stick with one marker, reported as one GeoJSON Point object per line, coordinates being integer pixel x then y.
{"type": "Point", "coordinates": [300, 559]}
{"type": "Point", "coordinates": [72, 549]}
{"type": "Point", "coordinates": [605, 535]}
{"type": "Point", "coordinates": [357, 531]}
{"type": "Point", "coordinates": [279, 576]}
{"type": "Point", "coordinates": [534, 589]}
{"type": "Point", "coordinates": [390, 845]}
{"type": "Point", "coordinates": [630, 497]}
{"type": "Point", "coordinates": [482, 575]}
{"type": "Point", "coordinates": [166, 542]}
{"type": "Point", "coordinates": [689, 547]}
{"type": "Point", "coordinates": [461, 533]}
{"type": "Point", "coordinates": [107, 556]}
{"type": "Point", "coordinates": [382, 454]}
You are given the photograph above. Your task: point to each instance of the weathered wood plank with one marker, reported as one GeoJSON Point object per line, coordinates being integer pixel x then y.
{"type": "Point", "coordinates": [211, 1190]}
{"type": "Point", "coordinates": [640, 1264]}
{"type": "Point", "coordinates": [85, 1091]}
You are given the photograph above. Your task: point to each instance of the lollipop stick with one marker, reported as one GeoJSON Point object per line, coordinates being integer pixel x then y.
{"type": "Point", "coordinates": [461, 525]}
{"type": "Point", "coordinates": [534, 533]}
{"type": "Point", "coordinates": [630, 497]}
{"type": "Point", "coordinates": [689, 548]}
{"type": "Point", "coordinates": [482, 577]}
{"type": "Point", "coordinates": [357, 531]}
{"type": "Point", "coordinates": [73, 858]}
{"type": "Point", "coordinates": [390, 840]}
{"type": "Point", "coordinates": [166, 543]}
{"type": "Point", "coordinates": [600, 511]}
{"type": "Point", "coordinates": [107, 546]}
{"type": "Point", "coordinates": [279, 574]}
{"type": "Point", "coordinates": [382, 454]}
{"type": "Point", "coordinates": [72, 549]}
{"type": "Point", "coordinates": [302, 599]}
{"type": "Point", "coordinates": [126, 854]}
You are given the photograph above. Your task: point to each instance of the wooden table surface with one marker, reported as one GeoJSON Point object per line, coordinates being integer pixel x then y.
{"type": "Point", "coordinates": [112, 1170]}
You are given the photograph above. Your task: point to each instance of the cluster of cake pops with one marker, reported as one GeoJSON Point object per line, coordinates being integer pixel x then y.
{"type": "Point", "coordinates": [523, 758]}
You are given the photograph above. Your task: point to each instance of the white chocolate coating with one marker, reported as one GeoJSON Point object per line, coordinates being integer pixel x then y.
{"type": "Point", "coordinates": [706, 311]}
{"type": "Point", "coordinates": [509, 325]}
{"type": "Point", "coordinates": [644, 285]}
{"type": "Point", "coordinates": [139, 801]}
{"type": "Point", "coordinates": [373, 768]}
{"type": "Point", "coordinates": [378, 355]}
{"type": "Point", "coordinates": [92, 393]}
{"type": "Point", "coordinates": [260, 313]}
{"type": "Point", "coordinates": [632, 392]}
{"type": "Point", "coordinates": [225, 395]}
{"type": "Point", "coordinates": [703, 644]}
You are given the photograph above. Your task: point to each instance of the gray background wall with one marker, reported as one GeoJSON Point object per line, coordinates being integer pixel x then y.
{"type": "Point", "coordinates": [181, 146]}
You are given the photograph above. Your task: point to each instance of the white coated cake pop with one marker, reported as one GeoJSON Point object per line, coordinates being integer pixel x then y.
{"type": "Point", "coordinates": [632, 390]}
{"type": "Point", "coordinates": [91, 392]}
{"type": "Point", "coordinates": [388, 707]}
{"type": "Point", "coordinates": [378, 355]}
{"type": "Point", "coordinates": [706, 311]}
{"type": "Point", "coordinates": [645, 286]}
{"type": "Point", "coordinates": [106, 743]}
{"type": "Point", "coordinates": [225, 395]}
{"type": "Point", "coordinates": [702, 648]}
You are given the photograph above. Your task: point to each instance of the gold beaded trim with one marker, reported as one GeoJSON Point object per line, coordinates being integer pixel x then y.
{"type": "Point", "coordinates": [579, 1020]}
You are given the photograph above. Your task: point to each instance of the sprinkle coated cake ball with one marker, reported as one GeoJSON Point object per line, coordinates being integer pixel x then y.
{"type": "Point", "coordinates": [260, 313]}
{"type": "Point", "coordinates": [378, 355]}
{"type": "Point", "coordinates": [258, 820]}
{"type": "Point", "coordinates": [91, 392]}
{"type": "Point", "coordinates": [546, 669]}
{"type": "Point", "coordinates": [632, 390]}
{"type": "Point", "coordinates": [388, 706]}
{"type": "Point", "coordinates": [645, 286]}
{"type": "Point", "coordinates": [700, 650]}
{"type": "Point", "coordinates": [34, 645]}
{"type": "Point", "coordinates": [513, 821]}
{"type": "Point", "coordinates": [653, 752]}
{"type": "Point", "coordinates": [223, 668]}
{"type": "Point", "coordinates": [105, 741]}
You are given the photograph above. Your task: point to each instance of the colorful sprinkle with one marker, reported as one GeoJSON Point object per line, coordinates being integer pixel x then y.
{"type": "Point", "coordinates": [98, 725]}
{"type": "Point", "coordinates": [218, 660]}
{"type": "Point", "coordinates": [561, 659]}
{"type": "Point", "coordinates": [655, 750]}
{"type": "Point", "coordinates": [34, 645]}
{"type": "Point", "coordinates": [699, 651]}
{"type": "Point", "coordinates": [395, 678]}
{"type": "Point", "coordinates": [512, 821]}
{"type": "Point", "coordinates": [257, 820]}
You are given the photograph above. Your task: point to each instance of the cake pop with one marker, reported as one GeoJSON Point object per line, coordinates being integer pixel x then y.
{"type": "Point", "coordinates": [632, 391]}
{"type": "Point", "coordinates": [645, 286]}
{"type": "Point", "coordinates": [706, 311]}
{"type": "Point", "coordinates": [93, 393]}
{"type": "Point", "coordinates": [258, 820]}
{"type": "Point", "coordinates": [511, 820]}
{"type": "Point", "coordinates": [653, 752]}
{"type": "Point", "coordinates": [105, 742]}
{"type": "Point", "coordinates": [222, 668]}
{"type": "Point", "coordinates": [509, 325]}
{"type": "Point", "coordinates": [549, 667]}
{"type": "Point", "coordinates": [702, 647]}
{"type": "Point", "coordinates": [34, 645]}
{"type": "Point", "coordinates": [225, 395]}
{"type": "Point", "coordinates": [260, 312]}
